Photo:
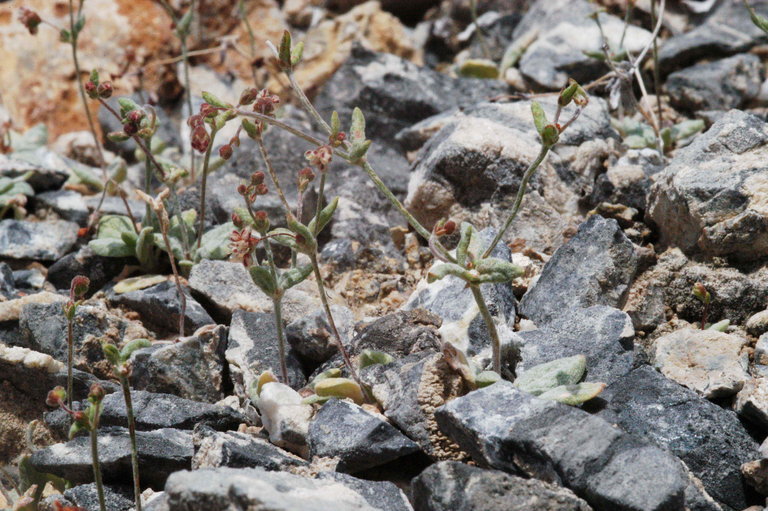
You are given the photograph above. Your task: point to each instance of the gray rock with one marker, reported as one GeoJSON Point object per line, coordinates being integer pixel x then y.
{"type": "Point", "coordinates": [7, 281]}
{"type": "Point", "coordinates": [719, 85]}
{"type": "Point", "coordinates": [726, 32]}
{"type": "Point", "coordinates": [761, 350]}
{"type": "Point", "coordinates": [504, 428]}
{"type": "Point", "coordinates": [240, 450]}
{"type": "Point", "coordinates": [192, 368]}
{"type": "Point", "coordinates": [158, 502]}
{"type": "Point", "coordinates": [42, 241]}
{"type": "Point", "coordinates": [565, 32]}
{"type": "Point", "coordinates": [752, 402]}
{"type": "Point", "coordinates": [379, 494]}
{"type": "Point", "coordinates": [400, 333]}
{"type": "Point", "coordinates": [709, 439]}
{"type": "Point", "coordinates": [757, 324]}
{"type": "Point", "coordinates": [165, 450]}
{"type": "Point", "coordinates": [628, 181]}
{"type": "Point", "coordinates": [602, 334]}
{"type": "Point", "coordinates": [32, 279]}
{"type": "Point", "coordinates": [310, 336]}
{"type": "Point", "coordinates": [409, 390]}
{"type": "Point", "coordinates": [756, 475]}
{"type": "Point", "coordinates": [359, 439]}
{"type": "Point", "coordinates": [253, 349]}
{"type": "Point", "coordinates": [44, 328]}
{"type": "Point", "coordinates": [710, 197]}
{"type": "Point", "coordinates": [451, 301]}
{"type": "Point", "coordinates": [154, 411]}
{"type": "Point", "coordinates": [85, 496]}
{"type": "Point", "coordinates": [285, 417]}
{"type": "Point", "coordinates": [595, 267]}
{"type": "Point", "coordinates": [452, 486]}
{"type": "Point", "coordinates": [67, 204]}
{"type": "Point", "coordinates": [98, 269]}
{"type": "Point", "coordinates": [43, 177]}
{"type": "Point", "coordinates": [216, 490]}
{"type": "Point", "coordinates": [116, 206]}
{"type": "Point", "coordinates": [712, 363]}
{"type": "Point", "coordinates": [159, 308]}
{"type": "Point", "coordinates": [497, 32]}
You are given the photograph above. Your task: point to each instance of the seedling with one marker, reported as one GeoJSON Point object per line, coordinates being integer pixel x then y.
{"type": "Point", "coordinates": [121, 368]}
{"type": "Point", "coordinates": [701, 294]}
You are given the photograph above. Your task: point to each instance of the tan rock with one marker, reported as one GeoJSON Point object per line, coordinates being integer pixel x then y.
{"type": "Point", "coordinates": [10, 310]}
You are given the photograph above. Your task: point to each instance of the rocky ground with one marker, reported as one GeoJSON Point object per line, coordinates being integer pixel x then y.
{"type": "Point", "coordinates": [614, 235]}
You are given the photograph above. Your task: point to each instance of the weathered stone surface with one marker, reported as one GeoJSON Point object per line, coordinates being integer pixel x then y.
{"type": "Point", "coordinates": [67, 204]}
{"type": "Point", "coordinates": [43, 177]}
{"type": "Point", "coordinates": [253, 348]}
{"type": "Point", "coordinates": [44, 328]}
{"type": "Point", "coordinates": [752, 401]}
{"type": "Point", "coordinates": [216, 489]}
{"type": "Point", "coordinates": [711, 197]}
{"type": "Point", "coordinates": [719, 85]}
{"type": "Point", "coordinates": [359, 439]}
{"type": "Point", "coordinates": [710, 362]}
{"type": "Point", "coordinates": [409, 390]}
{"type": "Point", "coordinates": [761, 350]}
{"type": "Point", "coordinates": [285, 417]}
{"type": "Point", "coordinates": [239, 450]}
{"type": "Point", "coordinates": [311, 339]}
{"type": "Point", "coordinates": [400, 333]}
{"type": "Point", "coordinates": [629, 180]}
{"type": "Point", "coordinates": [7, 282]}
{"type": "Point", "coordinates": [565, 32]}
{"type": "Point", "coordinates": [595, 267]}
{"type": "Point", "coordinates": [709, 439]}
{"type": "Point", "coordinates": [159, 308]}
{"type": "Point", "coordinates": [154, 411]}
{"type": "Point", "coordinates": [756, 475]}
{"type": "Point", "coordinates": [602, 334]}
{"type": "Point", "coordinates": [165, 450]}
{"type": "Point", "coordinates": [85, 496]}
{"type": "Point", "coordinates": [382, 495]}
{"type": "Point", "coordinates": [757, 324]}
{"type": "Point", "coordinates": [43, 241]}
{"type": "Point", "coordinates": [450, 486]}
{"type": "Point", "coordinates": [192, 368]}
{"type": "Point", "coordinates": [504, 428]}
{"type": "Point", "coordinates": [98, 269]}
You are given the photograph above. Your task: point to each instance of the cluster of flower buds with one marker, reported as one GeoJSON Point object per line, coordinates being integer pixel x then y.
{"type": "Point", "coordinates": [96, 89]}
{"type": "Point", "coordinates": [82, 420]}
{"type": "Point", "coordinates": [30, 19]}
{"type": "Point", "coordinates": [306, 176]}
{"type": "Point", "coordinates": [253, 189]}
{"type": "Point", "coordinates": [700, 293]}
{"type": "Point", "coordinates": [320, 157]}
{"type": "Point", "coordinates": [337, 139]}
{"type": "Point", "coordinates": [77, 290]}
{"type": "Point", "coordinates": [225, 151]}
{"type": "Point", "coordinates": [242, 242]}
{"type": "Point", "coordinates": [200, 137]}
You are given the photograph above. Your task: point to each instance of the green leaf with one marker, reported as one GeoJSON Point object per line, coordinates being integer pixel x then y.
{"type": "Point", "coordinates": [79, 24]}
{"type": "Point", "coordinates": [759, 21]}
{"type": "Point", "coordinates": [111, 353]}
{"type": "Point", "coordinates": [539, 117]}
{"type": "Point", "coordinates": [359, 150]}
{"type": "Point", "coordinates": [543, 377]}
{"type": "Point", "coordinates": [127, 105]}
{"type": "Point", "coordinates": [465, 239]}
{"type": "Point", "coordinates": [74, 429]}
{"type": "Point", "coordinates": [372, 357]}
{"type": "Point", "coordinates": [132, 346]}
{"type": "Point", "coordinates": [325, 216]}
{"type": "Point", "coordinates": [250, 128]}
{"type": "Point", "coordinates": [335, 122]}
{"type": "Point", "coordinates": [687, 129]}
{"type": "Point", "coordinates": [636, 142]}
{"type": "Point", "coordinates": [498, 269]}
{"type": "Point", "coordinates": [720, 326]}
{"type": "Point", "coordinates": [314, 399]}
{"type": "Point", "coordinates": [213, 100]}
{"type": "Point", "coordinates": [130, 238]}
{"type": "Point", "coordinates": [182, 29]}
{"type": "Point", "coordinates": [262, 277]}
{"type": "Point", "coordinates": [65, 36]}
{"type": "Point", "coordinates": [290, 278]}
{"type": "Point", "coordinates": [283, 236]}
{"type": "Point", "coordinates": [34, 138]}
{"type": "Point", "coordinates": [86, 176]}
{"type": "Point", "coordinates": [334, 372]}
{"type": "Point", "coordinates": [574, 394]}
{"type": "Point", "coordinates": [550, 135]}
{"type": "Point", "coordinates": [136, 283]}
{"type": "Point", "coordinates": [110, 247]}
{"type": "Point", "coordinates": [264, 378]}
{"type": "Point", "coordinates": [357, 130]}
{"type": "Point", "coordinates": [442, 270]}
{"type": "Point", "coordinates": [305, 240]}
{"type": "Point", "coordinates": [486, 378]}
{"type": "Point", "coordinates": [296, 53]}
{"type": "Point", "coordinates": [479, 68]}
{"type": "Point", "coordinates": [215, 243]}
{"type": "Point", "coordinates": [341, 388]}
{"type": "Point", "coordinates": [144, 248]}
{"type": "Point", "coordinates": [285, 49]}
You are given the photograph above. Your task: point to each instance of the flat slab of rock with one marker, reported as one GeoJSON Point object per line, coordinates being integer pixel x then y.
{"type": "Point", "coordinates": [504, 428]}
{"type": "Point", "coordinates": [69, 205]}
{"type": "Point", "coordinates": [595, 267]}
{"type": "Point", "coordinates": [602, 334]}
{"type": "Point", "coordinates": [711, 197]}
{"type": "Point", "coordinates": [358, 438]}
{"type": "Point", "coordinates": [239, 450]}
{"type": "Point", "coordinates": [116, 498]}
{"type": "Point", "coordinates": [255, 488]}
{"type": "Point", "coordinates": [452, 486]}
{"type": "Point", "coordinates": [709, 439]}
{"type": "Point", "coordinates": [41, 241]}
{"type": "Point", "coordinates": [164, 450]}
{"type": "Point", "coordinates": [98, 269]}
{"type": "Point", "coordinates": [752, 401]}
{"type": "Point", "coordinates": [712, 363]}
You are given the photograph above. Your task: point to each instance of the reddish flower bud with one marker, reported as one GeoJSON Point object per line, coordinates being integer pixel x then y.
{"type": "Point", "coordinates": [96, 392]}
{"type": "Point", "coordinates": [194, 121]}
{"type": "Point", "coordinates": [225, 151]}
{"type": "Point", "coordinates": [131, 129]}
{"type": "Point", "coordinates": [80, 418]}
{"type": "Point", "coordinates": [257, 178]}
{"type": "Point", "coordinates": [237, 220]}
{"type": "Point", "coordinates": [306, 176]}
{"type": "Point", "coordinates": [135, 116]}
{"type": "Point", "coordinates": [242, 189]}
{"type": "Point", "coordinates": [200, 139]}
{"type": "Point", "coordinates": [78, 287]}
{"type": "Point", "coordinates": [90, 89]}
{"type": "Point", "coordinates": [29, 19]}
{"type": "Point", "coordinates": [104, 90]}
{"type": "Point", "coordinates": [208, 110]}
{"type": "Point", "coordinates": [266, 103]}
{"type": "Point", "coordinates": [56, 396]}
{"type": "Point", "coordinates": [261, 189]}
{"type": "Point", "coordinates": [248, 96]}
{"type": "Point", "coordinates": [446, 228]}
{"type": "Point", "coordinates": [261, 221]}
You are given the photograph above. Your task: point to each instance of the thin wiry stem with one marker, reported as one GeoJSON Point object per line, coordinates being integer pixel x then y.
{"type": "Point", "coordinates": [177, 279]}
{"type": "Point", "coordinates": [271, 171]}
{"type": "Point", "coordinates": [95, 456]}
{"type": "Point", "coordinates": [306, 104]}
{"type": "Point", "coordinates": [203, 187]}
{"type": "Point", "coordinates": [488, 319]}
{"type": "Point", "coordinates": [70, 361]}
{"type": "Point", "coordinates": [132, 433]}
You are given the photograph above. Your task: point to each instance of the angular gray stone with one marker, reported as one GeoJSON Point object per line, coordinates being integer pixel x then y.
{"type": "Point", "coordinates": [757, 324]}
{"type": "Point", "coordinates": [159, 308]}
{"type": "Point", "coordinates": [311, 339]}
{"type": "Point", "coordinates": [240, 450]}
{"type": "Point", "coordinates": [602, 334]}
{"type": "Point", "coordinates": [504, 428]}
{"type": "Point", "coordinates": [628, 181]}
{"type": "Point", "coordinates": [712, 363]}
{"type": "Point", "coordinates": [192, 368]}
{"type": "Point", "coordinates": [116, 206]}
{"type": "Point", "coordinates": [164, 450]}
{"type": "Point", "coordinates": [718, 85]}
{"type": "Point", "coordinates": [595, 267]}
{"type": "Point", "coordinates": [153, 411]}
{"type": "Point", "coordinates": [253, 349]}
{"type": "Point", "coordinates": [254, 488]}
{"type": "Point", "coordinates": [69, 205]}
{"type": "Point", "coordinates": [7, 281]}
{"type": "Point", "coordinates": [98, 269]}
{"type": "Point", "coordinates": [453, 486]}
{"type": "Point", "coordinates": [43, 177]}
{"type": "Point", "coordinates": [752, 402]}
{"type": "Point", "coordinates": [761, 350]}
{"type": "Point", "coordinates": [379, 494]}
{"type": "Point", "coordinates": [41, 241]}
{"type": "Point", "coordinates": [709, 439]}
{"type": "Point", "coordinates": [359, 439]}
{"type": "Point", "coordinates": [400, 333]}
{"type": "Point", "coordinates": [711, 197]}
{"type": "Point", "coordinates": [85, 496]}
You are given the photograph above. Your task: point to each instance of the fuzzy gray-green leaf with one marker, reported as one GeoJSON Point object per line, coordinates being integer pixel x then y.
{"type": "Point", "coordinates": [574, 394]}
{"type": "Point", "coordinates": [543, 377]}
